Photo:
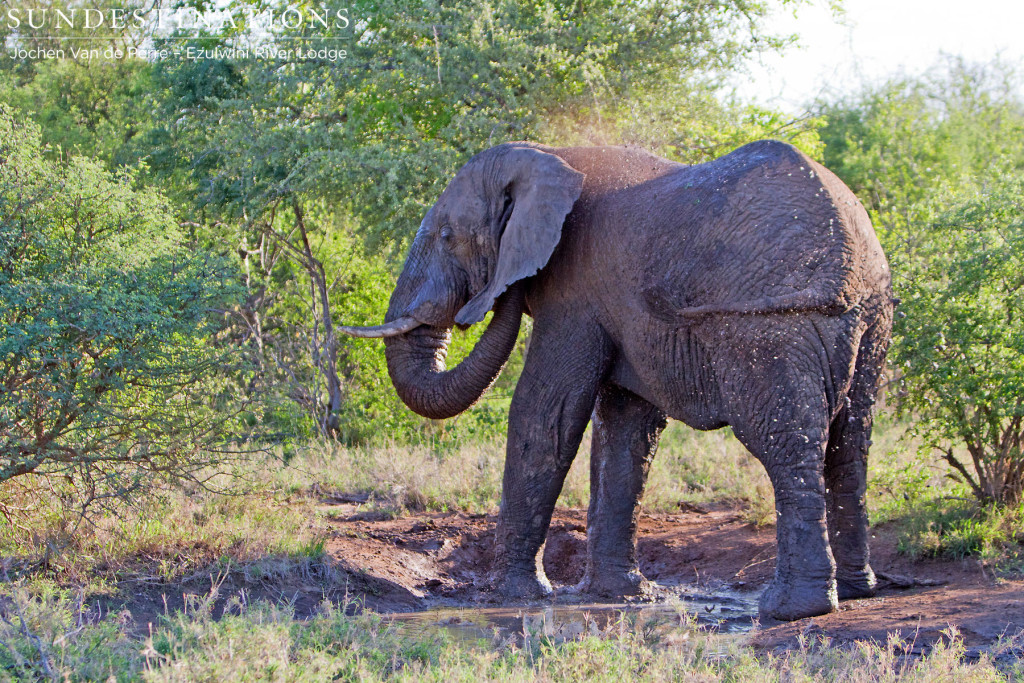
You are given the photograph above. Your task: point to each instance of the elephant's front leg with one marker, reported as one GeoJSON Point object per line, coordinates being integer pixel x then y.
{"type": "Point", "coordinates": [625, 437]}
{"type": "Point", "coordinates": [550, 410]}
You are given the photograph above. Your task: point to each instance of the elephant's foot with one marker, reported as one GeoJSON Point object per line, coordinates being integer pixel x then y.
{"type": "Point", "coordinates": [794, 599]}
{"type": "Point", "coordinates": [522, 585]}
{"type": "Point", "coordinates": [856, 584]}
{"type": "Point", "coordinates": [611, 584]}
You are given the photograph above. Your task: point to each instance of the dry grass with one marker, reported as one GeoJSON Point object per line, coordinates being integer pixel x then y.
{"type": "Point", "coordinates": [397, 476]}
{"type": "Point", "coordinates": [690, 467]}
{"type": "Point", "coordinates": [167, 535]}
{"type": "Point", "coordinates": [272, 510]}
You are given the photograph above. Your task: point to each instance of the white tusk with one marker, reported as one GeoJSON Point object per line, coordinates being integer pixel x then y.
{"type": "Point", "coordinates": [391, 329]}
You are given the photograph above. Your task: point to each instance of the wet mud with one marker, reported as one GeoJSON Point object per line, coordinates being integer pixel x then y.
{"type": "Point", "coordinates": [709, 567]}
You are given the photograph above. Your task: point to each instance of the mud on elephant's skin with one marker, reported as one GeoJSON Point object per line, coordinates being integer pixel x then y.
{"type": "Point", "coordinates": [748, 291]}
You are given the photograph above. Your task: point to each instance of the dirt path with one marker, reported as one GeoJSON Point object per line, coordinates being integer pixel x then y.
{"type": "Point", "coordinates": [430, 560]}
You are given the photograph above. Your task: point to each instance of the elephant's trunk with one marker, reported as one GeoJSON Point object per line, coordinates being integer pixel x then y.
{"type": "Point", "coordinates": [416, 362]}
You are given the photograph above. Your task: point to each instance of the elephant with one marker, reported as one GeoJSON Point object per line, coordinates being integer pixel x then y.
{"type": "Point", "coordinates": [749, 291]}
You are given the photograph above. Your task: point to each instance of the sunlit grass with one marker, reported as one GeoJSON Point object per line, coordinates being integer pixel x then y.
{"type": "Point", "coordinates": [166, 535]}
{"type": "Point", "coordinates": [933, 513]}
{"type": "Point", "coordinates": [50, 635]}
{"type": "Point", "coordinates": [400, 476]}
{"type": "Point", "coordinates": [690, 467]}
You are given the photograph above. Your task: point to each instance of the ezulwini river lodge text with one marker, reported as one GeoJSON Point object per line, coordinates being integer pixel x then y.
{"type": "Point", "coordinates": [190, 52]}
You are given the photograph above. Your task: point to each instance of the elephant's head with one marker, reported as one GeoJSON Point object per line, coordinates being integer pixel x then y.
{"type": "Point", "coordinates": [496, 223]}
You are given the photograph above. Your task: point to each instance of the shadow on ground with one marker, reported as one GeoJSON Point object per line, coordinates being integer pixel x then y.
{"type": "Point", "coordinates": [708, 563]}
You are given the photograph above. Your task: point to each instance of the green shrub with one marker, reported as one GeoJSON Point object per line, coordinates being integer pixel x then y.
{"type": "Point", "coordinates": [108, 350]}
{"type": "Point", "coordinates": [959, 336]}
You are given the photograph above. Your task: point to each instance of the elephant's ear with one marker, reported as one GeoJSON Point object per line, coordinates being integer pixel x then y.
{"type": "Point", "coordinates": [543, 189]}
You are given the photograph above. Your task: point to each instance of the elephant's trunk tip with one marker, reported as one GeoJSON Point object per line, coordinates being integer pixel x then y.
{"type": "Point", "coordinates": [391, 329]}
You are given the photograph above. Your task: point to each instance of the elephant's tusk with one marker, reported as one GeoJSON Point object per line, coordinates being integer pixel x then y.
{"type": "Point", "coordinates": [391, 329]}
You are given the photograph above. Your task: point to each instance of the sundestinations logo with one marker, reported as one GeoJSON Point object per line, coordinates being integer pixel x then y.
{"type": "Point", "coordinates": [161, 30]}
{"type": "Point", "coordinates": [72, 19]}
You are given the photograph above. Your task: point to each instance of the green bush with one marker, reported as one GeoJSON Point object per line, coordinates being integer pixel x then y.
{"type": "Point", "coordinates": [107, 330]}
{"type": "Point", "coordinates": [959, 336]}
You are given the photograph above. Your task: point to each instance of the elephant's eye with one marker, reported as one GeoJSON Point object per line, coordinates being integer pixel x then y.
{"type": "Point", "coordinates": [446, 234]}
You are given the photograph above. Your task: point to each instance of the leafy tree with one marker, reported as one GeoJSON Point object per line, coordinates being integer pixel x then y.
{"type": "Point", "coordinates": [426, 85]}
{"type": "Point", "coordinates": [108, 324]}
{"type": "Point", "coordinates": [960, 348]}
{"type": "Point", "coordinates": [905, 145]}
{"type": "Point", "coordinates": [92, 108]}
{"type": "Point", "coordinates": [292, 153]}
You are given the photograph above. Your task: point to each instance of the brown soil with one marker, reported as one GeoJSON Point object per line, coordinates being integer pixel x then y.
{"type": "Point", "coordinates": [442, 559]}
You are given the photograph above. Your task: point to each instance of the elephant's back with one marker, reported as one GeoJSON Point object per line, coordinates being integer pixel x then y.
{"type": "Point", "coordinates": [763, 223]}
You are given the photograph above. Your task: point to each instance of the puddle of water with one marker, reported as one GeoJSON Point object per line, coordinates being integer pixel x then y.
{"type": "Point", "coordinates": [723, 613]}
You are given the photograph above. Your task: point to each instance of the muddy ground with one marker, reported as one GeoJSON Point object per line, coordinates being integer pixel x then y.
{"type": "Point", "coordinates": [430, 560]}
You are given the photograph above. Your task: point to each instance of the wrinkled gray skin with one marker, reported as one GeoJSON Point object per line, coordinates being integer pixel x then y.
{"type": "Point", "coordinates": [749, 291]}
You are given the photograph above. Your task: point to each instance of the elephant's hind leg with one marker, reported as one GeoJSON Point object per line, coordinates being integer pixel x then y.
{"type": "Point", "coordinates": [549, 413]}
{"type": "Point", "coordinates": [846, 464]}
{"type": "Point", "coordinates": [778, 409]}
{"type": "Point", "coordinates": [804, 583]}
{"type": "Point", "coordinates": [625, 437]}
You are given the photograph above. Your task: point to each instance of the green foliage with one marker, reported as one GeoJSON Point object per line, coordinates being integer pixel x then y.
{"type": "Point", "coordinates": [94, 108]}
{"type": "Point", "coordinates": [959, 347]}
{"type": "Point", "coordinates": [904, 145]}
{"type": "Point", "coordinates": [359, 290]}
{"type": "Point", "coordinates": [687, 123]}
{"type": "Point", "coordinates": [106, 354]}
{"type": "Point", "coordinates": [428, 85]}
